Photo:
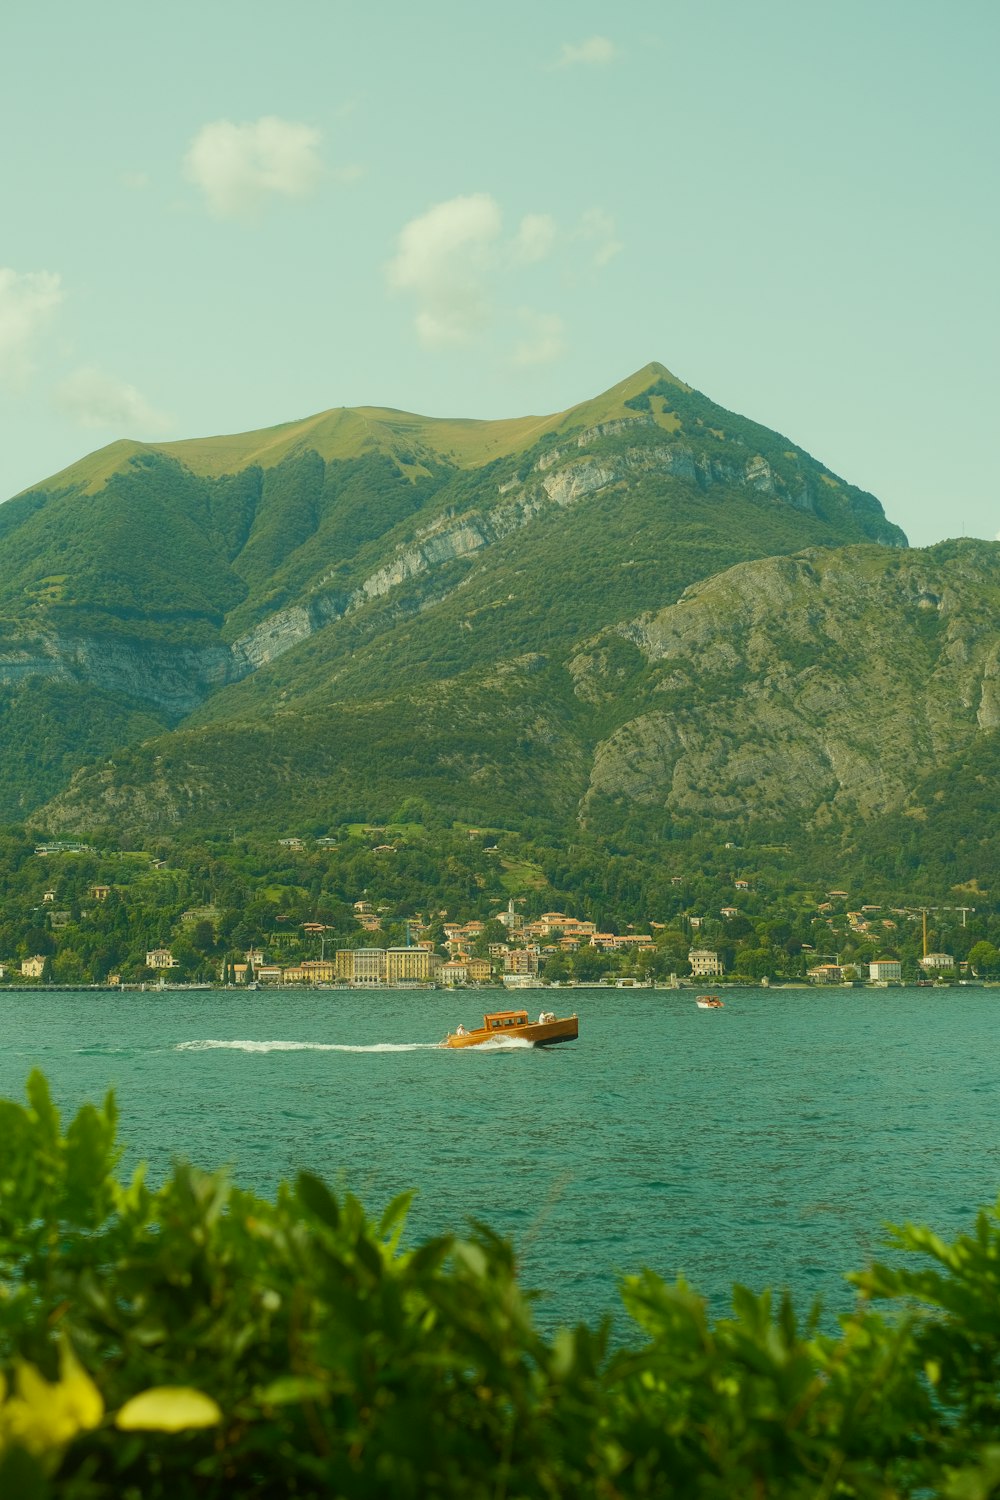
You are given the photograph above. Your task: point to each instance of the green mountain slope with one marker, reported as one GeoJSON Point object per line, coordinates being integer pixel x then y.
{"type": "Point", "coordinates": [281, 579]}
{"type": "Point", "coordinates": [786, 700]}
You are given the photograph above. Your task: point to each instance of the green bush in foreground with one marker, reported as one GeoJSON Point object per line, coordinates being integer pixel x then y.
{"type": "Point", "coordinates": [200, 1341]}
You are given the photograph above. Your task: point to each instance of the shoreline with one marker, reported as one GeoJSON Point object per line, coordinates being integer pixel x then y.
{"type": "Point", "coordinates": [685, 987]}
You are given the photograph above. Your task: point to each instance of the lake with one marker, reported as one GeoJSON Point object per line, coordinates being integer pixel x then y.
{"type": "Point", "coordinates": [767, 1142]}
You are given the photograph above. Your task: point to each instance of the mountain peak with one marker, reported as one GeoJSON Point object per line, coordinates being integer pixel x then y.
{"type": "Point", "coordinates": [651, 373]}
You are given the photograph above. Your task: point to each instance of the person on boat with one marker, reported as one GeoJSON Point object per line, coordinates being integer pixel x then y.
{"type": "Point", "coordinates": [460, 1029]}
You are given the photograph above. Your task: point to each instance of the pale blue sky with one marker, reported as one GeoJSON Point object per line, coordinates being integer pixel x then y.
{"type": "Point", "coordinates": [223, 215]}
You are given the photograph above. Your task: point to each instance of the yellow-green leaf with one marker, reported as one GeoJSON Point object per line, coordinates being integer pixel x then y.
{"type": "Point", "coordinates": [168, 1408]}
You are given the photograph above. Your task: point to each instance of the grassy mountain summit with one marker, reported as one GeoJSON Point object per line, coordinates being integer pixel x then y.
{"type": "Point", "coordinates": [293, 601]}
{"type": "Point", "coordinates": [345, 433]}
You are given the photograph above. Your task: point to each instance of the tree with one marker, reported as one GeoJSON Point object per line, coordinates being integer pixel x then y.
{"type": "Point", "coordinates": [755, 963]}
{"type": "Point", "coordinates": [203, 937]}
{"type": "Point", "coordinates": [983, 958]}
{"type": "Point", "coordinates": [589, 964]}
{"type": "Point", "coordinates": [556, 967]}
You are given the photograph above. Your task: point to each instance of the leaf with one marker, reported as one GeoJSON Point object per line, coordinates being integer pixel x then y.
{"type": "Point", "coordinates": [317, 1198]}
{"type": "Point", "coordinates": [168, 1408]}
{"type": "Point", "coordinates": [290, 1390]}
{"type": "Point", "coordinates": [77, 1391]}
{"type": "Point", "coordinates": [22, 1475]}
{"type": "Point", "coordinates": [40, 1099]}
{"type": "Point", "coordinates": [394, 1218]}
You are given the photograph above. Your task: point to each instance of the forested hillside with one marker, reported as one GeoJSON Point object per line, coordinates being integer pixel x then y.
{"type": "Point", "coordinates": [645, 621]}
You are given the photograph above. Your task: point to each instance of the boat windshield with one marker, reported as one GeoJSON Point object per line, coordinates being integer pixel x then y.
{"type": "Point", "coordinates": [503, 1018]}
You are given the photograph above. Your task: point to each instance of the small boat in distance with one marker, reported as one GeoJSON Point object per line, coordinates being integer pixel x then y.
{"type": "Point", "coordinates": [498, 1025]}
{"type": "Point", "coordinates": [708, 1002]}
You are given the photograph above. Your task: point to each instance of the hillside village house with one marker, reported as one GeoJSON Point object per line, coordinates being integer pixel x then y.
{"type": "Point", "coordinates": [32, 967]}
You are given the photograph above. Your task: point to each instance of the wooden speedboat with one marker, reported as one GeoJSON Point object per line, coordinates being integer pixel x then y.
{"type": "Point", "coordinates": [708, 1002]}
{"type": "Point", "coordinates": [498, 1025]}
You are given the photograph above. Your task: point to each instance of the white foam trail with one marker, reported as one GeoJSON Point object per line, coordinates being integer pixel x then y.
{"type": "Point", "coordinates": [247, 1046]}
{"type": "Point", "coordinates": [502, 1044]}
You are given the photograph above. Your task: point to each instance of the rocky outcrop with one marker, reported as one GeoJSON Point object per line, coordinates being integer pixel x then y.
{"type": "Point", "coordinates": [173, 679]}
{"type": "Point", "coordinates": [821, 685]}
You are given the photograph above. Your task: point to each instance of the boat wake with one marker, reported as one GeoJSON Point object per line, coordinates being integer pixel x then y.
{"type": "Point", "coordinates": [248, 1046]}
{"type": "Point", "coordinates": [500, 1044]}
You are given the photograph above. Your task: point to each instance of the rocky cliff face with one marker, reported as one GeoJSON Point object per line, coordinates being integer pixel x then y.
{"type": "Point", "coordinates": [815, 686]}
{"type": "Point", "coordinates": [561, 478]}
{"type": "Point", "coordinates": [172, 679]}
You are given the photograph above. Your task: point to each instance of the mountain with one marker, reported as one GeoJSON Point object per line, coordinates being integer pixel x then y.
{"type": "Point", "coordinates": [643, 625]}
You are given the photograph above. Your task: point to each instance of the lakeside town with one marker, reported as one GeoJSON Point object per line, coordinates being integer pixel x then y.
{"type": "Point", "coordinates": [74, 930]}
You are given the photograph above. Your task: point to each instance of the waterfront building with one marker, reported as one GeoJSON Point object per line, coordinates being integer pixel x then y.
{"type": "Point", "coordinates": [521, 961]}
{"type": "Point", "coordinates": [317, 970]}
{"type": "Point", "coordinates": [160, 958]}
{"type": "Point", "coordinates": [705, 964]}
{"type": "Point", "coordinates": [937, 961]}
{"type": "Point", "coordinates": [360, 965]}
{"type": "Point", "coordinates": [885, 969]}
{"type": "Point", "coordinates": [413, 965]}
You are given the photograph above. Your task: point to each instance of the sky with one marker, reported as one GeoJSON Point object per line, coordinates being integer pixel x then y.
{"type": "Point", "coordinates": [222, 215]}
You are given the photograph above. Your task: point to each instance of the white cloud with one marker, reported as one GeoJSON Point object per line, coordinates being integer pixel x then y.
{"type": "Point", "coordinates": [598, 229]}
{"type": "Point", "coordinates": [238, 167]}
{"type": "Point", "coordinates": [28, 300]}
{"type": "Point", "coordinates": [459, 266]}
{"type": "Point", "coordinates": [535, 237]}
{"type": "Point", "coordinates": [94, 399]}
{"type": "Point", "coordinates": [445, 257]}
{"type": "Point", "coordinates": [543, 341]}
{"type": "Point", "coordinates": [595, 50]}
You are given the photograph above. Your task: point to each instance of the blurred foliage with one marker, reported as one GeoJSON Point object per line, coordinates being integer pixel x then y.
{"type": "Point", "coordinates": [198, 1341]}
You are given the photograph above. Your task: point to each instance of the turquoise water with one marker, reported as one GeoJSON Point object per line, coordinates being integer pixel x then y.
{"type": "Point", "coordinates": [767, 1142]}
